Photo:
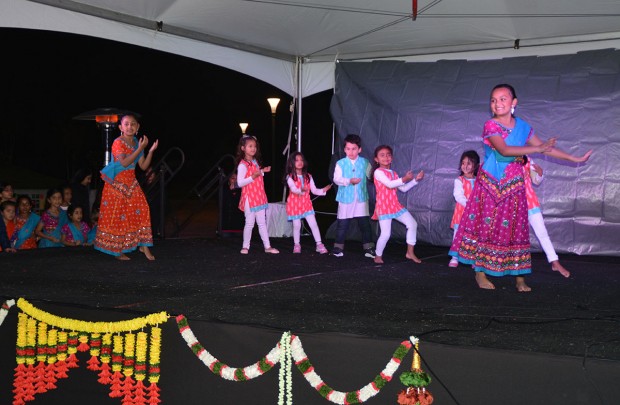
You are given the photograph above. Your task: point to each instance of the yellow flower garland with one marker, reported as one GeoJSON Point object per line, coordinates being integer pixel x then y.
{"type": "Point", "coordinates": [91, 327]}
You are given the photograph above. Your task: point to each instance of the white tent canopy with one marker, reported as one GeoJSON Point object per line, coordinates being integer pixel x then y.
{"type": "Point", "coordinates": [273, 40]}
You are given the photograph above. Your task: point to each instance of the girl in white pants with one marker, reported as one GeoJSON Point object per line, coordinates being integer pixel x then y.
{"type": "Point", "coordinates": [387, 206]}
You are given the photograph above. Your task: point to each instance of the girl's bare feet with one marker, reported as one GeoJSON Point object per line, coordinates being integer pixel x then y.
{"type": "Point", "coordinates": [483, 281]}
{"type": "Point", "coordinates": [521, 286]}
{"type": "Point", "coordinates": [378, 260]}
{"type": "Point", "coordinates": [411, 256]}
{"type": "Point", "coordinates": [123, 256]}
{"type": "Point", "coordinates": [556, 266]}
{"type": "Point", "coordinates": [147, 252]}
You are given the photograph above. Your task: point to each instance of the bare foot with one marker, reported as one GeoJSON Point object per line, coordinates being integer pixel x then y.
{"type": "Point", "coordinates": [123, 256]}
{"type": "Point", "coordinates": [521, 286]}
{"type": "Point", "coordinates": [556, 266]}
{"type": "Point", "coordinates": [412, 256]}
{"type": "Point", "coordinates": [147, 252]}
{"type": "Point", "coordinates": [378, 260]}
{"type": "Point", "coordinates": [483, 282]}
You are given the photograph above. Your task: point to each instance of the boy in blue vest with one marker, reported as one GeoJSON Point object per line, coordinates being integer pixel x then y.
{"type": "Point", "coordinates": [351, 174]}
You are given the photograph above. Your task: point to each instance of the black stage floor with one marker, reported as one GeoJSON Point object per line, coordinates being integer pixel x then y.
{"type": "Point", "coordinates": [207, 280]}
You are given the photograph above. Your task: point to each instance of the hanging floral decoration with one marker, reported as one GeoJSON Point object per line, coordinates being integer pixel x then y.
{"type": "Point", "coordinates": [289, 350]}
{"type": "Point", "coordinates": [416, 382]}
{"type": "Point", "coordinates": [47, 347]}
{"type": "Point", "coordinates": [223, 370]}
{"type": "Point", "coordinates": [353, 397]}
{"type": "Point", "coordinates": [4, 310]}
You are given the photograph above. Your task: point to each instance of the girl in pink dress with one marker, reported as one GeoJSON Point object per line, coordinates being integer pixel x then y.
{"type": "Point", "coordinates": [253, 201]}
{"type": "Point", "coordinates": [298, 203]}
{"type": "Point", "coordinates": [387, 206]}
{"type": "Point", "coordinates": [463, 185]}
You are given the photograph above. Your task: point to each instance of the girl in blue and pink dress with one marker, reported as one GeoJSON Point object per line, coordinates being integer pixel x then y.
{"type": "Point", "coordinates": [387, 206]}
{"type": "Point", "coordinates": [298, 203]}
{"type": "Point", "coordinates": [26, 223]}
{"type": "Point", "coordinates": [493, 236]}
{"type": "Point", "coordinates": [52, 220]}
{"type": "Point", "coordinates": [253, 201]}
{"type": "Point", "coordinates": [75, 233]}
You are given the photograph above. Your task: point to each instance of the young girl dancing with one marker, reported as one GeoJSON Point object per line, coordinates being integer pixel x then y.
{"type": "Point", "coordinates": [25, 223]}
{"type": "Point", "coordinates": [52, 220]}
{"type": "Point", "coordinates": [75, 233]}
{"type": "Point", "coordinates": [298, 203]}
{"type": "Point", "coordinates": [463, 185]}
{"type": "Point", "coordinates": [387, 206]}
{"type": "Point", "coordinates": [253, 200]}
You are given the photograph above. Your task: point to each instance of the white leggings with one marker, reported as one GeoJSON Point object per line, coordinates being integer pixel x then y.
{"type": "Point", "coordinates": [386, 231]}
{"type": "Point", "coordinates": [538, 225]}
{"type": "Point", "coordinates": [311, 220]}
{"type": "Point", "coordinates": [250, 218]}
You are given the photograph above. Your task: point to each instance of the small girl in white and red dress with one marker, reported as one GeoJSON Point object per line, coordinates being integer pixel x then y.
{"type": "Point", "coordinates": [298, 203]}
{"type": "Point", "coordinates": [253, 201]}
{"type": "Point", "coordinates": [387, 206]}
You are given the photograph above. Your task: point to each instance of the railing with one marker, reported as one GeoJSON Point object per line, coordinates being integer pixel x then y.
{"type": "Point", "coordinates": [208, 187]}
{"type": "Point", "coordinates": [157, 177]}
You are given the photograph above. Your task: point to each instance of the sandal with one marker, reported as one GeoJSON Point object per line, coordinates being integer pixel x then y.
{"type": "Point", "coordinates": [271, 250]}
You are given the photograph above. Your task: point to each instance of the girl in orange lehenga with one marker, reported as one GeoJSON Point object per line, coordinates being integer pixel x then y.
{"type": "Point", "coordinates": [124, 217]}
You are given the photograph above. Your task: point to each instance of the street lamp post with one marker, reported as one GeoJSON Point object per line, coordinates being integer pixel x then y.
{"type": "Point", "coordinates": [273, 103]}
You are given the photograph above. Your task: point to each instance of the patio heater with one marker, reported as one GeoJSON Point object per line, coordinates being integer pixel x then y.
{"type": "Point", "coordinates": [107, 119]}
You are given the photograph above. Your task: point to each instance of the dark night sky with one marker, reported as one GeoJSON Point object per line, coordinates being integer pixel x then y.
{"type": "Point", "coordinates": [51, 77]}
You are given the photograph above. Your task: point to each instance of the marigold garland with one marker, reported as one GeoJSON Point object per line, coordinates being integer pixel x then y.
{"type": "Point", "coordinates": [52, 343]}
{"type": "Point", "coordinates": [91, 327]}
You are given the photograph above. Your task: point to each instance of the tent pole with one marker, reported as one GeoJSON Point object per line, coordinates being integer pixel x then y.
{"type": "Point", "coordinates": [299, 98]}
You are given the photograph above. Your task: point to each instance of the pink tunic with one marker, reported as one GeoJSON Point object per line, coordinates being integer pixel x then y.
{"type": "Point", "coordinates": [387, 204]}
{"type": "Point", "coordinates": [299, 205]}
{"type": "Point", "coordinates": [253, 192]}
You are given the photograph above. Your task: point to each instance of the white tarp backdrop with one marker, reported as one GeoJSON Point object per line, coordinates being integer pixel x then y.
{"type": "Point", "coordinates": [431, 112]}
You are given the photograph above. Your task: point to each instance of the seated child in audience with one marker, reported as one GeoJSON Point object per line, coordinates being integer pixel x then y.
{"type": "Point", "coordinates": [67, 196]}
{"type": "Point", "coordinates": [74, 233]}
{"type": "Point", "coordinates": [25, 223]}
{"type": "Point", "coordinates": [6, 192]}
{"type": "Point", "coordinates": [7, 226]}
{"type": "Point", "coordinates": [52, 220]}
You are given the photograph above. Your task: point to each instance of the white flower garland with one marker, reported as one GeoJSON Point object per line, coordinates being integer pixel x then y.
{"type": "Point", "coordinates": [289, 349]}
{"type": "Point", "coordinates": [226, 372]}
{"type": "Point", "coordinates": [4, 310]}
{"type": "Point", "coordinates": [339, 397]}
{"type": "Point", "coordinates": [285, 375]}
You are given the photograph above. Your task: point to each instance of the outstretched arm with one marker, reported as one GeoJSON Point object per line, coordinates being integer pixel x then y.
{"type": "Point", "coordinates": [560, 154]}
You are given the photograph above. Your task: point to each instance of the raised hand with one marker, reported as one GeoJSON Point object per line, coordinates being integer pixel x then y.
{"type": "Point", "coordinates": [583, 158]}
{"type": "Point", "coordinates": [154, 146]}
{"type": "Point", "coordinates": [420, 175]}
{"type": "Point", "coordinates": [408, 177]}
